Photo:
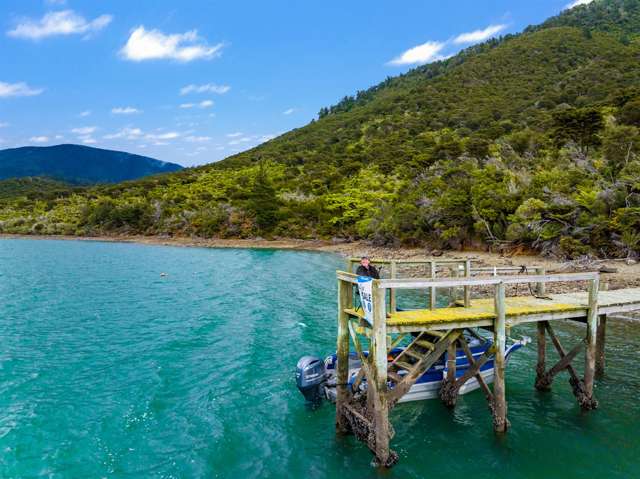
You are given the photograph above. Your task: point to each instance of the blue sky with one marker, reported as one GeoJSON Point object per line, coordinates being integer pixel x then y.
{"type": "Point", "coordinates": [195, 81]}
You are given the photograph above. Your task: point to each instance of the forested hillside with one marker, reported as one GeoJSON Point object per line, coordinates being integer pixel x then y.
{"type": "Point", "coordinates": [530, 140]}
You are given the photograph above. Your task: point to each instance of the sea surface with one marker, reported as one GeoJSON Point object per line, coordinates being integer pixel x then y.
{"type": "Point", "coordinates": [110, 368]}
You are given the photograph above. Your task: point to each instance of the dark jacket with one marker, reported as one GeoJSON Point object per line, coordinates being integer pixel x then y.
{"type": "Point", "coordinates": [372, 272]}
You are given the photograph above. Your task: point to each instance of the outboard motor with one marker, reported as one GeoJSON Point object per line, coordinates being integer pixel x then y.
{"type": "Point", "coordinates": [310, 378]}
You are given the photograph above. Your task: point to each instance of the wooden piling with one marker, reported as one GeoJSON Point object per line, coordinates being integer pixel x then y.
{"type": "Point", "coordinates": [448, 392]}
{"type": "Point", "coordinates": [345, 300]}
{"type": "Point", "coordinates": [600, 345]}
{"type": "Point", "coordinates": [590, 355]}
{"type": "Point", "coordinates": [378, 348]}
{"type": "Point", "coordinates": [541, 368]}
{"type": "Point", "coordinates": [451, 362]}
{"type": "Point", "coordinates": [499, 335]}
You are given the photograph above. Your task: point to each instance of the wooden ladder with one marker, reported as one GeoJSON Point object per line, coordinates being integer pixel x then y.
{"type": "Point", "coordinates": [425, 349]}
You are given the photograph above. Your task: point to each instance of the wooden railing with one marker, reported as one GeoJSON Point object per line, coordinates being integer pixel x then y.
{"type": "Point", "coordinates": [456, 268]}
{"type": "Point", "coordinates": [380, 286]}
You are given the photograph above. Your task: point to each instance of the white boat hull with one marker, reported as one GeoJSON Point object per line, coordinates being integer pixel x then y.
{"type": "Point", "coordinates": [430, 390]}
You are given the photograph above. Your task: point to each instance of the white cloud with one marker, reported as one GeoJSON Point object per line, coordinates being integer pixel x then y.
{"type": "Point", "coordinates": [137, 134]}
{"type": "Point", "coordinates": [239, 139]}
{"type": "Point", "coordinates": [207, 88]}
{"type": "Point", "coordinates": [171, 135]}
{"type": "Point", "coordinates": [65, 22]}
{"type": "Point", "coordinates": [56, 2]}
{"type": "Point", "coordinates": [234, 135]}
{"type": "Point", "coordinates": [244, 139]}
{"type": "Point", "coordinates": [125, 110]}
{"type": "Point", "coordinates": [3, 124]}
{"type": "Point", "coordinates": [84, 114]}
{"type": "Point", "coordinates": [478, 35]}
{"type": "Point", "coordinates": [420, 54]}
{"type": "Point", "coordinates": [289, 111]}
{"type": "Point", "coordinates": [202, 104]}
{"type": "Point", "coordinates": [126, 133]}
{"type": "Point", "coordinates": [433, 50]}
{"type": "Point", "coordinates": [39, 139]}
{"type": "Point", "coordinates": [154, 45]}
{"type": "Point", "coordinates": [85, 134]}
{"type": "Point", "coordinates": [576, 3]}
{"type": "Point", "coordinates": [198, 139]}
{"type": "Point", "coordinates": [18, 89]}
{"type": "Point", "coordinates": [85, 130]}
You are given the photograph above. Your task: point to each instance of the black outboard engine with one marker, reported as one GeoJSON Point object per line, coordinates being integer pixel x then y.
{"type": "Point", "coordinates": [310, 378]}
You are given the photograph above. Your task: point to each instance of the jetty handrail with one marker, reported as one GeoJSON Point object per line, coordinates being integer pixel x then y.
{"type": "Point", "coordinates": [491, 269]}
{"type": "Point", "coordinates": [443, 261]}
{"type": "Point", "coordinates": [417, 283]}
{"type": "Point", "coordinates": [412, 261]}
{"type": "Point", "coordinates": [462, 274]}
{"type": "Point", "coordinates": [421, 283]}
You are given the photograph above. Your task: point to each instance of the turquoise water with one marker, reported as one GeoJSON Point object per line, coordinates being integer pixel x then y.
{"type": "Point", "coordinates": [108, 369]}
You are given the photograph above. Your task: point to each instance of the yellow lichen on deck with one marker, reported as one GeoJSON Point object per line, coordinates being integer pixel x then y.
{"type": "Point", "coordinates": [521, 305]}
{"type": "Point", "coordinates": [480, 309]}
{"type": "Point", "coordinates": [440, 315]}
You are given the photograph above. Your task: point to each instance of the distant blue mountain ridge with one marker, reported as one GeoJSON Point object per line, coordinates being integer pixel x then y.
{"type": "Point", "coordinates": [79, 164]}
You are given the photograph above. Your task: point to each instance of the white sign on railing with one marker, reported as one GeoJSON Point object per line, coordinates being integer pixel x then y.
{"type": "Point", "coordinates": [365, 289]}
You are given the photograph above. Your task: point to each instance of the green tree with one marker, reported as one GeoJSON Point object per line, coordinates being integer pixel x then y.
{"type": "Point", "coordinates": [620, 145]}
{"type": "Point", "coordinates": [263, 201]}
{"type": "Point", "coordinates": [580, 125]}
{"type": "Point", "coordinates": [630, 113]}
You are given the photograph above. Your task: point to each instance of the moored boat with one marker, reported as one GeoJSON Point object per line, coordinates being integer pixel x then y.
{"type": "Point", "coordinates": [316, 379]}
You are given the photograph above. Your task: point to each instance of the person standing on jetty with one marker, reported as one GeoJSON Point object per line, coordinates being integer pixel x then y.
{"type": "Point", "coordinates": [367, 269]}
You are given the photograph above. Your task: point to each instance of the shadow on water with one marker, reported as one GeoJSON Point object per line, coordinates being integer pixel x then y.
{"type": "Point", "coordinates": [108, 369]}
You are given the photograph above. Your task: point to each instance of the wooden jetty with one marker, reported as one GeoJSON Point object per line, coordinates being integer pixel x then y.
{"type": "Point", "coordinates": [429, 333]}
